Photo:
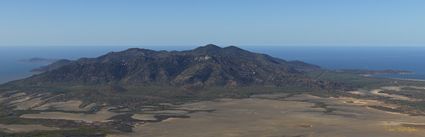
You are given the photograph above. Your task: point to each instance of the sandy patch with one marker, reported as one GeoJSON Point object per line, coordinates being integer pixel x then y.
{"type": "Point", "coordinates": [101, 116]}
{"type": "Point", "coordinates": [301, 97]}
{"type": "Point", "coordinates": [195, 106]}
{"type": "Point", "coordinates": [18, 95]}
{"type": "Point", "coordinates": [393, 88]}
{"type": "Point", "coordinates": [24, 128]}
{"type": "Point", "coordinates": [270, 96]}
{"type": "Point", "coordinates": [397, 97]}
{"type": "Point", "coordinates": [403, 126]}
{"type": "Point", "coordinates": [146, 117]}
{"type": "Point", "coordinates": [357, 93]}
{"type": "Point", "coordinates": [356, 101]}
{"type": "Point", "coordinates": [2, 99]}
{"type": "Point", "coordinates": [28, 104]}
{"type": "Point", "coordinates": [170, 112]}
{"type": "Point", "coordinates": [20, 100]}
{"type": "Point", "coordinates": [71, 105]}
{"type": "Point", "coordinates": [416, 87]}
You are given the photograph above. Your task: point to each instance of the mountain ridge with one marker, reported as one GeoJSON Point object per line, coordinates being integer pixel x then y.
{"type": "Point", "coordinates": [208, 65]}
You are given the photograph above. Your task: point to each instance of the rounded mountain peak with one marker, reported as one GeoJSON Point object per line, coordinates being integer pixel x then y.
{"type": "Point", "coordinates": [209, 47]}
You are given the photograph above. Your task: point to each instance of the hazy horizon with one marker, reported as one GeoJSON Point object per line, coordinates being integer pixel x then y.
{"type": "Point", "coordinates": [192, 22]}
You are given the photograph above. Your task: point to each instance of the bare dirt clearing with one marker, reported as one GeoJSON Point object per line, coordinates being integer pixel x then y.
{"type": "Point", "coordinates": [101, 116]}
{"type": "Point", "coordinates": [396, 89]}
{"type": "Point", "coordinates": [145, 117]}
{"type": "Point", "coordinates": [71, 105]}
{"type": "Point", "coordinates": [15, 128]}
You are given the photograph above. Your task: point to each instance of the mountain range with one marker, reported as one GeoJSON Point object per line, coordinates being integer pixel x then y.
{"type": "Point", "coordinates": [136, 77]}
{"type": "Point", "coordinates": [208, 65]}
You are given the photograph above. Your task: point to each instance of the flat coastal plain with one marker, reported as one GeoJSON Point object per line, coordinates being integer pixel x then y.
{"type": "Point", "coordinates": [301, 115]}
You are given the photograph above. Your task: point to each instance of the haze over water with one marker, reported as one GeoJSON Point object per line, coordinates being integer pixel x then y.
{"type": "Point", "coordinates": [375, 58]}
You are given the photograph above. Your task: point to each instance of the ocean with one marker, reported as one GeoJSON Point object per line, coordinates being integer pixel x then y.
{"type": "Point", "coordinates": [373, 58]}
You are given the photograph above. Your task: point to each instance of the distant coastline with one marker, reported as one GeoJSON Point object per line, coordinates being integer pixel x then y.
{"type": "Point", "coordinates": [38, 60]}
{"type": "Point", "coordinates": [419, 80]}
{"type": "Point", "coordinates": [401, 76]}
{"type": "Point", "coordinates": [386, 73]}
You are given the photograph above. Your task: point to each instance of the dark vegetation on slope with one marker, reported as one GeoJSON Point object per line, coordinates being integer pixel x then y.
{"type": "Point", "coordinates": [204, 66]}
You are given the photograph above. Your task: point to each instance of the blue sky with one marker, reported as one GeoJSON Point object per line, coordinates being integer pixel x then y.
{"type": "Point", "coordinates": [224, 22]}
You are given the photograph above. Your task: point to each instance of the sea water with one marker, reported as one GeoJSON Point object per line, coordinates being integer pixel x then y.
{"type": "Point", "coordinates": [371, 58]}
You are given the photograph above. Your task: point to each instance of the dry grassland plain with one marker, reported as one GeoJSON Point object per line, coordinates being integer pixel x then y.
{"type": "Point", "coordinates": [301, 115]}
{"type": "Point", "coordinates": [271, 115]}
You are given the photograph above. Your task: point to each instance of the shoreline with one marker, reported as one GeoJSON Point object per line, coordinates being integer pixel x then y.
{"type": "Point", "coordinates": [397, 78]}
